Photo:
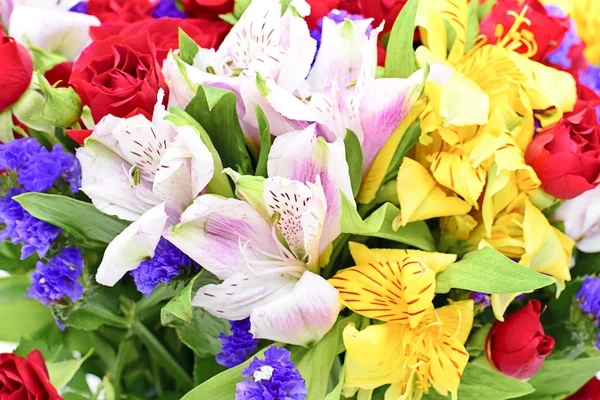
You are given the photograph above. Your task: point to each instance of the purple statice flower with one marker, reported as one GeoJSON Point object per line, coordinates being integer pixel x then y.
{"type": "Point", "coordinates": [164, 266]}
{"type": "Point", "coordinates": [17, 154]}
{"type": "Point", "coordinates": [590, 77]}
{"type": "Point", "coordinates": [562, 55]}
{"type": "Point", "coordinates": [589, 296]}
{"type": "Point", "coordinates": [45, 169]}
{"type": "Point", "coordinates": [274, 378]}
{"type": "Point", "coordinates": [167, 8]}
{"type": "Point", "coordinates": [338, 16]}
{"type": "Point", "coordinates": [481, 299]}
{"type": "Point", "coordinates": [73, 175]}
{"type": "Point", "coordinates": [80, 7]}
{"type": "Point", "coordinates": [237, 347]}
{"type": "Point", "coordinates": [21, 227]}
{"type": "Point", "coordinates": [51, 282]}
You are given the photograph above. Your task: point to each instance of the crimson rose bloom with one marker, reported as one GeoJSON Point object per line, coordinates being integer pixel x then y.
{"type": "Point", "coordinates": [118, 75]}
{"type": "Point", "coordinates": [25, 378]}
{"type": "Point", "coordinates": [210, 9]}
{"type": "Point", "coordinates": [518, 346]}
{"type": "Point", "coordinates": [566, 155]}
{"type": "Point", "coordinates": [60, 74]}
{"type": "Point", "coordinates": [16, 70]}
{"type": "Point", "coordinates": [591, 391]}
{"type": "Point", "coordinates": [548, 31]}
{"type": "Point", "coordinates": [319, 9]}
{"type": "Point", "coordinates": [109, 11]}
{"type": "Point", "coordinates": [381, 10]}
{"type": "Point", "coordinates": [164, 32]}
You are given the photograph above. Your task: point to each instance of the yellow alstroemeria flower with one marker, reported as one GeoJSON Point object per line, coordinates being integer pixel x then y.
{"type": "Point", "coordinates": [520, 231]}
{"type": "Point", "coordinates": [410, 360]}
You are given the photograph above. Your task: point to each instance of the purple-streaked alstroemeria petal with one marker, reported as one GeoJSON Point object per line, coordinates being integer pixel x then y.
{"type": "Point", "coordinates": [132, 246]}
{"type": "Point", "coordinates": [185, 168]}
{"type": "Point", "coordinates": [225, 236]}
{"type": "Point", "coordinates": [238, 295]}
{"type": "Point", "coordinates": [302, 156]}
{"type": "Point", "coordinates": [301, 316]}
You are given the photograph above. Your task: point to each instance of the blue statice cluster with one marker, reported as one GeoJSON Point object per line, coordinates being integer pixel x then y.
{"type": "Point", "coordinates": [481, 299]}
{"type": "Point", "coordinates": [58, 278]}
{"type": "Point", "coordinates": [237, 347]}
{"type": "Point", "coordinates": [37, 170]}
{"type": "Point", "coordinates": [274, 378]}
{"type": "Point", "coordinates": [562, 55]}
{"type": "Point", "coordinates": [589, 300]}
{"type": "Point", "coordinates": [164, 8]}
{"type": "Point", "coordinates": [166, 264]}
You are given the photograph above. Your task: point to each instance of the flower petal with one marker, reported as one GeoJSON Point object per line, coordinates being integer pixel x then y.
{"type": "Point", "coordinates": [302, 316]}
{"type": "Point", "coordinates": [132, 246]}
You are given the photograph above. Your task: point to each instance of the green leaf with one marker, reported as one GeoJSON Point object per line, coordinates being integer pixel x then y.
{"type": "Point", "coordinates": [13, 288]}
{"type": "Point", "coordinates": [401, 61]}
{"type": "Point", "coordinates": [187, 47]}
{"type": "Point", "coordinates": [336, 393]}
{"type": "Point", "coordinates": [480, 383]}
{"type": "Point", "coordinates": [472, 26]}
{"type": "Point", "coordinates": [485, 8]}
{"type": "Point", "coordinates": [354, 158]}
{"type": "Point", "coordinates": [221, 386]}
{"type": "Point", "coordinates": [489, 271]}
{"type": "Point", "coordinates": [82, 220]}
{"type": "Point", "coordinates": [560, 378]}
{"type": "Point", "coordinates": [408, 141]}
{"type": "Point", "coordinates": [265, 142]}
{"type": "Point", "coordinates": [22, 318]}
{"type": "Point", "coordinates": [215, 109]}
{"type": "Point", "coordinates": [62, 372]}
{"type": "Point", "coordinates": [379, 224]}
{"type": "Point", "coordinates": [181, 305]}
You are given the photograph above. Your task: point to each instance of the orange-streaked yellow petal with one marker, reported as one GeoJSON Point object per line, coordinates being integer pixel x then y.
{"type": "Point", "coordinates": [456, 172]}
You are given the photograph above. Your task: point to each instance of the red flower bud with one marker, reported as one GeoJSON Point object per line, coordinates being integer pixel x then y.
{"type": "Point", "coordinates": [22, 378]}
{"type": "Point", "coordinates": [590, 391]}
{"type": "Point", "coordinates": [16, 70]}
{"type": "Point", "coordinates": [518, 346]}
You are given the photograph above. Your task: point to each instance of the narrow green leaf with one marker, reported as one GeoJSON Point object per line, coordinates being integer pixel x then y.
{"type": "Point", "coordinates": [379, 224]}
{"type": "Point", "coordinates": [82, 220]}
{"type": "Point", "coordinates": [561, 378]}
{"type": "Point", "coordinates": [401, 61]}
{"type": "Point", "coordinates": [215, 109]}
{"type": "Point", "coordinates": [221, 386]}
{"type": "Point", "coordinates": [354, 158]}
{"type": "Point", "coordinates": [408, 141]}
{"type": "Point", "coordinates": [489, 271]}
{"type": "Point", "coordinates": [336, 393]}
{"type": "Point", "coordinates": [62, 372]}
{"type": "Point", "coordinates": [472, 26]}
{"type": "Point", "coordinates": [480, 383]}
{"type": "Point", "coordinates": [181, 305]}
{"type": "Point", "coordinates": [265, 141]}
{"type": "Point", "coordinates": [187, 47]}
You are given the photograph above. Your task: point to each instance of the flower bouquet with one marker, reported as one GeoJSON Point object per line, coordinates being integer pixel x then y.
{"type": "Point", "coordinates": [299, 199]}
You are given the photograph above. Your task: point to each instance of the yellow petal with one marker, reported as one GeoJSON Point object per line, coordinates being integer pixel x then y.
{"type": "Point", "coordinates": [420, 197]}
{"type": "Point", "coordinates": [373, 179]}
{"type": "Point", "coordinates": [457, 319]}
{"type": "Point", "coordinates": [374, 356]}
{"type": "Point", "coordinates": [389, 291]}
{"type": "Point", "coordinates": [586, 14]}
{"type": "Point", "coordinates": [456, 172]}
{"type": "Point", "coordinates": [459, 226]}
{"type": "Point", "coordinates": [500, 303]}
{"type": "Point", "coordinates": [463, 102]}
{"type": "Point", "coordinates": [434, 261]}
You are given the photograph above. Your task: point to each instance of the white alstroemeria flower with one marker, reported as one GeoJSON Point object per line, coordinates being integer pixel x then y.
{"type": "Point", "coordinates": [264, 41]}
{"type": "Point", "coordinates": [268, 252]}
{"type": "Point", "coordinates": [581, 217]}
{"type": "Point", "coordinates": [142, 171]}
{"type": "Point", "coordinates": [50, 25]}
{"type": "Point", "coordinates": [341, 91]}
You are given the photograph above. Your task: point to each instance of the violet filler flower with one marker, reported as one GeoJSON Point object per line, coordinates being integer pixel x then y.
{"type": "Point", "coordinates": [589, 300]}
{"type": "Point", "coordinates": [237, 347]}
{"type": "Point", "coordinates": [58, 278]}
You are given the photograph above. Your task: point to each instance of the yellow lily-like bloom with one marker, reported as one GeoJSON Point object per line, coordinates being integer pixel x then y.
{"type": "Point", "coordinates": [418, 346]}
{"type": "Point", "coordinates": [520, 231]}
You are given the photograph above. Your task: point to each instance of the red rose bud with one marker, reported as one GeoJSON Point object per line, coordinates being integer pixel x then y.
{"type": "Point", "coordinates": [535, 26]}
{"type": "Point", "coordinates": [209, 9]}
{"type": "Point", "coordinates": [25, 378]}
{"type": "Point", "coordinates": [117, 75]}
{"type": "Point", "coordinates": [518, 346]}
{"type": "Point", "coordinates": [79, 135]}
{"type": "Point", "coordinates": [16, 70]}
{"type": "Point", "coordinates": [164, 32]}
{"type": "Point", "coordinates": [590, 391]}
{"type": "Point", "coordinates": [566, 155]}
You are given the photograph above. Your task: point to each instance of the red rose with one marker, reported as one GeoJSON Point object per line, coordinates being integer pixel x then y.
{"type": "Point", "coordinates": [16, 70]}
{"type": "Point", "coordinates": [25, 378]}
{"type": "Point", "coordinates": [210, 9]}
{"type": "Point", "coordinates": [518, 346]}
{"type": "Point", "coordinates": [319, 9]}
{"type": "Point", "coordinates": [382, 10]}
{"type": "Point", "coordinates": [60, 74]}
{"type": "Point", "coordinates": [164, 32]}
{"type": "Point", "coordinates": [117, 75]}
{"type": "Point", "coordinates": [566, 155]}
{"type": "Point", "coordinates": [591, 391]}
{"type": "Point", "coordinates": [547, 31]}
{"type": "Point", "coordinates": [108, 11]}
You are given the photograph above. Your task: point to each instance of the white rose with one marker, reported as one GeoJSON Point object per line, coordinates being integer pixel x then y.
{"type": "Point", "coordinates": [581, 217]}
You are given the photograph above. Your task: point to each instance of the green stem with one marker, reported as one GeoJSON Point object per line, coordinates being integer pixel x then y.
{"type": "Point", "coordinates": [124, 349]}
{"type": "Point", "coordinates": [109, 317]}
{"type": "Point", "coordinates": [168, 363]}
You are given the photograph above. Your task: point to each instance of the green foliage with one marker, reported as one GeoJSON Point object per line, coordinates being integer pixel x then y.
{"type": "Point", "coordinates": [488, 271]}
{"type": "Point", "coordinates": [265, 142]}
{"type": "Point", "coordinates": [187, 47]}
{"type": "Point", "coordinates": [62, 372]}
{"type": "Point", "coordinates": [354, 158]}
{"type": "Point", "coordinates": [85, 222]}
{"type": "Point", "coordinates": [472, 26]}
{"type": "Point", "coordinates": [401, 61]}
